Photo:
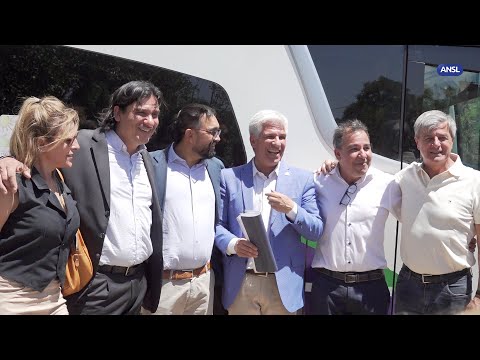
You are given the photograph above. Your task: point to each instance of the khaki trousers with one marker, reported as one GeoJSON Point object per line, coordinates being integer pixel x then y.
{"type": "Point", "coordinates": [258, 295]}
{"type": "Point", "coordinates": [186, 297]}
{"type": "Point", "coordinates": [16, 299]}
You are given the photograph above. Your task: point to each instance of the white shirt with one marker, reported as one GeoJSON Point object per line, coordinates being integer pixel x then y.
{"type": "Point", "coordinates": [353, 234]}
{"type": "Point", "coordinates": [262, 185]}
{"type": "Point", "coordinates": [438, 217]}
{"type": "Point", "coordinates": [189, 215]}
{"type": "Point", "coordinates": [127, 240]}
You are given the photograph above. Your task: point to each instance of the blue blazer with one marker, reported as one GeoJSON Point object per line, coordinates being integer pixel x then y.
{"type": "Point", "coordinates": [236, 191]}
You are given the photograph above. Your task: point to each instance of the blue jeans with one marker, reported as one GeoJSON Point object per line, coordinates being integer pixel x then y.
{"type": "Point", "coordinates": [331, 296]}
{"type": "Point", "coordinates": [412, 296]}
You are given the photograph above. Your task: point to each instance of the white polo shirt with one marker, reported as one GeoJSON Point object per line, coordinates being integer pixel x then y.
{"type": "Point", "coordinates": [438, 217]}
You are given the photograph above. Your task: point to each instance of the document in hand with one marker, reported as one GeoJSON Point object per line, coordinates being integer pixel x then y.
{"type": "Point", "coordinates": [253, 229]}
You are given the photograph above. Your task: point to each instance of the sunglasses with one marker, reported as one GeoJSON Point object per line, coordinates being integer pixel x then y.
{"type": "Point", "coordinates": [346, 199]}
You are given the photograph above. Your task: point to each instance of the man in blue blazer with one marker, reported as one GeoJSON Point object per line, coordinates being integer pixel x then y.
{"type": "Point", "coordinates": [286, 198]}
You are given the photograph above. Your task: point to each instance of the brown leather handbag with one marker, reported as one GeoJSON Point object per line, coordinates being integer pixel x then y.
{"type": "Point", "coordinates": [79, 269]}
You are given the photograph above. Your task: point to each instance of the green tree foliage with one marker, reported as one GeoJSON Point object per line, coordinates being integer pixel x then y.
{"type": "Point", "coordinates": [85, 80]}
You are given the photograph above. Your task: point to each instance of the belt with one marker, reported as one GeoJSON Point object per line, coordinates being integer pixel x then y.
{"type": "Point", "coordinates": [264, 274]}
{"type": "Point", "coordinates": [436, 279]}
{"type": "Point", "coordinates": [124, 270]}
{"type": "Point", "coordinates": [353, 277]}
{"type": "Point", "coordinates": [185, 274]}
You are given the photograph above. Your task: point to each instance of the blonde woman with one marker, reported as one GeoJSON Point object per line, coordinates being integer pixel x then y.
{"type": "Point", "coordinates": [38, 223]}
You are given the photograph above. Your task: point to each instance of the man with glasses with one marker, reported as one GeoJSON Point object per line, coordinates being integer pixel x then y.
{"type": "Point", "coordinates": [285, 196]}
{"type": "Point", "coordinates": [188, 178]}
{"type": "Point", "coordinates": [355, 201]}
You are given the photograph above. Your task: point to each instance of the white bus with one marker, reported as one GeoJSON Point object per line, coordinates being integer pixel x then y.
{"type": "Point", "coordinates": [385, 86]}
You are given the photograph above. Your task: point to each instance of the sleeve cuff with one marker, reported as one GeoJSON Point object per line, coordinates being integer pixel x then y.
{"type": "Point", "coordinates": [231, 246]}
{"type": "Point", "coordinates": [292, 214]}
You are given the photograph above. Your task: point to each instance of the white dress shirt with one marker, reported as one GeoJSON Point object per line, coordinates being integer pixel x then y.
{"type": "Point", "coordinates": [189, 215]}
{"type": "Point", "coordinates": [262, 185]}
{"type": "Point", "coordinates": [127, 240]}
{"type": "Point", "coordinates": [353, 234]}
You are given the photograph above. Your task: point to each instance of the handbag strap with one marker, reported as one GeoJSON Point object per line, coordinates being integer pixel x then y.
{"type": "Point", "coordinates": [76, 235]}
{"type": "Point", "coordinates": [60, 174]}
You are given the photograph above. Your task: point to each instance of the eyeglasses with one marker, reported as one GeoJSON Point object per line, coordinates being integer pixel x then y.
{"type": "Point", "coordinates": [213, 132]}
{"type": "Point", "coordinates": [346, 197]}
{"type": "Point", "coordinates": [70, 141]}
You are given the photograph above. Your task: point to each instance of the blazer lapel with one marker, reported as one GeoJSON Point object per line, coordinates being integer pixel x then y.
{"type": "Point", "coordinates": [160, 160]}
{"type": "Point", "coordinates": [147, 161]}
{"type": "Point", "coordinates": [284, 182]}
{"type": "Point", "coordinates": [156, 209]}
{"type": "Point", "coordinates": [99, 150]}
{"type": "Point", "coordinates": [214, 173]}
{"type": "Point", "coordinates": [247, 186]}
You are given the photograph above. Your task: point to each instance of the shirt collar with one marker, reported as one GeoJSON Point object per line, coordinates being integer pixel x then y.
{"type": "Point", "coordinates": [275, 171]}
{"type": "Point", "coordinates": [38, 180]}
{"type": "Point", "coordinates": [457, 169]}
{"type": "Point", "coordinates": [368, 175]}
{"type": "Point", "coordinates": [41, 184]}
{"type": "Point", "coordinates": [173, 157]}
{"type": "Point", "coordinates": [117, 144]}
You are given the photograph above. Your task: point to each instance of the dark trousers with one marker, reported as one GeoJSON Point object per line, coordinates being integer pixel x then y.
{"type": "Point", "coordinates": [110, 294]}
{"type": "Point", "coordinates": [217, 266]}
{"type": "Point", "coordinates": [413, 296]}
{"type": "Point", "coordinates": [331, 296]}
{"type": "Point", "coordinates": [218, 308]}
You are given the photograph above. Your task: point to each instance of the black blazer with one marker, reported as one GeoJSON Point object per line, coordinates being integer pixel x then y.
{"type": "Point", "coordinates": [89, 181]}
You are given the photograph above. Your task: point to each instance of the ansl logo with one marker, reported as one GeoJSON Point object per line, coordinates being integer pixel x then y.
{"type": "Point", "coordinates": [449, 69]}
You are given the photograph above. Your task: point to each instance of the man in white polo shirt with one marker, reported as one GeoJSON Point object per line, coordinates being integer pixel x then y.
{"type": "Point", "coordinates": [440, 213]}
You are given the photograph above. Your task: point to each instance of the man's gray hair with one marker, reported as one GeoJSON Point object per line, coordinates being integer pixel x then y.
{"type": "Point", "coordinates": [432, 119]}
{"type": "Point", "coordinates": [258, 121]}
{"type": "Point", "coordinates": [345, 128]}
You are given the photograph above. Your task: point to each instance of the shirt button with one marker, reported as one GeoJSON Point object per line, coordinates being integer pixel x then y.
{"type": "Point", "coordinates": [349, 224]}
{"type": "Point", "coordinates": [349, 261]}
{"type": "Point", "coordinates": [349, 243]}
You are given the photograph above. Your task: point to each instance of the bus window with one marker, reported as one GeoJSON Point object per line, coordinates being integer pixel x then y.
{"type": "Point", "coordinates": [85, 80]}
{"type": "Point", "coordinates": [364, 82]}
